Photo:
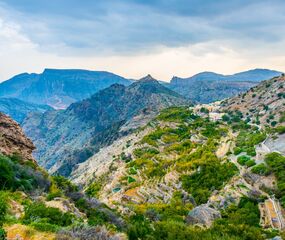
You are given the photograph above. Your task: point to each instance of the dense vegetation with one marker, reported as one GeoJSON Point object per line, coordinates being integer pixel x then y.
{"type": "Point", "coordinates": [276, 163]}
{"type": "Point", "coordinates": [15, 174]}
{"type": "Point", "coordinates": [209, 177]}
{"type": "Point", "coordinates": [18, 175]}
{"type": "Point", "coordinates": [246, 141]}
{"type": "Point", "coordinates": [239, 222]}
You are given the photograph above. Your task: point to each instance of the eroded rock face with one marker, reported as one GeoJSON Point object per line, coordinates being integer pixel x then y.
{"type": "Point", "coordinates": [202, 215]}
{"type": "Point", "coordinates": [13, 139]}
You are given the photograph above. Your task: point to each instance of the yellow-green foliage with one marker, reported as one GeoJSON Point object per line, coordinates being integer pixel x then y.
{"type": "Point", "coordinates": [246, 141]}
{"type": "Point", "coordinates": [176, 114]}
{"type": "Point", "coordinates": [175, 210]}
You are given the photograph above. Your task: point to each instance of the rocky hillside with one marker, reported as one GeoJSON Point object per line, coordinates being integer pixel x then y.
{"type": "Point", "coordinates": [18, 109]}
{"type": "Point", "coordinates": [58, 88]}
{"type": "Point", "coordinates": [34, 205]}
{"type": "Point", "coordinates": [13, 140]}
{"type": "Point", "coordinates": [192, 174]}
{"type": "Point", "coordinates": [65, 138]}
{"type": "Point", "coordinates": [208, 86]}
{"type": "Point", "coordinates": [263, 104]}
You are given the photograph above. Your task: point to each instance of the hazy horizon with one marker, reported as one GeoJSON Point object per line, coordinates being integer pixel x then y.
{"type": "Point", "coordinates": [135, 38]}
{"type": "Point", "coordinates": [164, 80]}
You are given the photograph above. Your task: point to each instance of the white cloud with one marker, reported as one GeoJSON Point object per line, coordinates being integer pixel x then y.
{"type": "Point", "coordinates": [21, 51]}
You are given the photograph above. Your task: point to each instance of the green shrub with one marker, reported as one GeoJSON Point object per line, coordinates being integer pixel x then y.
{"type": "Point", "coordinates": [251, 151]}
{"type": "Point", "coordinates": [64, 184]}
{"type": "Point", "coordinates": [250, 163]}
{"type": "Point", "coordinates": [45, 227]}
{"type": "Point", "coordinates": [131, 179]}
{"type": "Point", "coordinates": [53, 195]}
{"type": "Point", "coordinates": [93, 189]}
{"type": "Point", "coordinates": [261, 169]}
{"type": "Point", "coordinates": [15, 176]}
{"type": "Point", "coordinates": [280, 129]}
{"type": "Point", "coordinates": [145, 152]}
{"type": "Point", "coordinates": [237, 150]}
{"type": "Point", "coordinates": [243, 159]}
{"type": "Point", "coordinates": [38, 211]}
{"type": "Point", "coordinates": [153, 137]}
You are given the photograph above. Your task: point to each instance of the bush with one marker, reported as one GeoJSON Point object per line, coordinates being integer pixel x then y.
{"type": "Point", "coordinates": [93, 189]}
{"type": "Point", "coordinates": [45, 227]}
{"type": "Point", "coordinates": [53, 195]}
{"type": "Point", "coordinates": [64, 184]}
{"type": "Point", "coordinates": [237, 150]}
{"type": "Point", "coordinates": [261, 169]}
{"type": "Point", "coordinates": [280, 129]}
{"type": "Point", "coordinates": [243, 159]}
{"type": "Point", "coordinates": [251, 151]}
{"type": "Point", "coordinates": [131, 179]}
{"type": "Point", "coordinates": [38, 211]}
{"type": "Point", "coordinates": [15, 176]}
{"type": "Point", "coordinates": [250, 163]}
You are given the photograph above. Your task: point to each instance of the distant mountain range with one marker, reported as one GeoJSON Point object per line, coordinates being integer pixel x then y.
{"type": "Point", "coordinates": [58, 88]}
{"type": "Point", "coordinates": [65, 138]}
{"type": "Point", "coordinates": [18, 109]}
{"type": "Point", "coordinates": [207, 87]}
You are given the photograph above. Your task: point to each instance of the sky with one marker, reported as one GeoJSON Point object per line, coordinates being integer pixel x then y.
{"type": "Point", "coordinates": [134, 38]}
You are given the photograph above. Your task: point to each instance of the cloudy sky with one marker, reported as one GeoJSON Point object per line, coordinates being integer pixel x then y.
{"type": "Point", "coordinates": [136, 37]}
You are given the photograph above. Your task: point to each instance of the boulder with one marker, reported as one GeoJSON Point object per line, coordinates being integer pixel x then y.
{"type": "Point", "coordinates": [202, 215]}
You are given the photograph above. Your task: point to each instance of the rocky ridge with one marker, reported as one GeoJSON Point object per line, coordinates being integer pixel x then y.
{"type": "Point", "coordinates": [66, 138]}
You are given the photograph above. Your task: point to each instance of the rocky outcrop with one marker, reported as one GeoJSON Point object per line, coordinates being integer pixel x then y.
{"type": "Point", "coordinates": [13, 139]}
{"type": "Point", "coordinates": [202, 215]}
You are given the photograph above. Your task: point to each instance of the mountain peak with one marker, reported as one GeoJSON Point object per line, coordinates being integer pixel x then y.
{"type": "Point", "coordinates": [148, 78]}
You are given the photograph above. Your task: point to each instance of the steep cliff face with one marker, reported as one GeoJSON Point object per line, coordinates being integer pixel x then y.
{"type": "Point", "coordinates": [13, 140]}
